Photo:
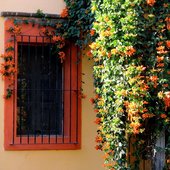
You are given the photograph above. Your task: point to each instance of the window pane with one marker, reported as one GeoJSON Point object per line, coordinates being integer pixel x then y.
{"type": "Point", "coordinates": [39, 90]}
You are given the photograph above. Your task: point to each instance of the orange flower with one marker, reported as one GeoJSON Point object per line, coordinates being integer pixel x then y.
{"type": "Point", "coordinates": [64, 13]}
{"type": "Point", "coordinates": [135, 124]}
{"type": "Point", "coordinates": [145, 87]}
{"type": "Point", "coordinates": [106, 155]}
{"type": "Point", "coordinates": [57, 38]}
{"type": "Point", "coordinates": [12, 70]}
{"type": "Point", "coordinates": [107, 33]}
{"type": "Point", "coordinates": [160, 43]}
{"type": "Point", "coordinates": [43, 30]}
{"type": "Point", "coordinates": [126, 103]}
{"type": "Point", "coordinates": [145, 102]}
{"type": "Point", "coordinates": [167, 94]}
{"type": "Point", "coordinates": [167, 100]}
{"type": "Point", "coordinates": [165, 85]}
{"type": "Point", "coordinates": [163, 116]}
{"type": "Point", "coordinates": [81, 95]}
{"type": "Point", "coordinates": [167, 19]}
{"type": "Point", "coordinates": [150, 2]}
{"type": "Point", "coordinates": [96, 110]}
{"type": "Point", "coordinates": [168, 43]}
{"type": "Point", "coordinates": [109, 55]}
{"type": "Point", "coordinates": [136, 131]}
{"type": "Point", "coordinates": [92, 100]}
{"type": "Point", "coordinates": [62, 56]}
{"type": "Point", "coordinates": [161, 50]}
{"type": "Point", "coordinates": [93, 45]}
{"type": "Point", "coordinates": [98, 120]}
{"type": "Point", "coordinates": [160, 65]}
{"type": "Point", "coordinates": [159, 59]}
{"type": "Point", "coordinates": [168, 72]}
{"type": "Point", "coordinates": [168, 161]}
{"type": "Point", "coordinates": [8, 54]}
{"type": "Point", "coordinates": [96, 59]}
{"type": "Point", "coordinates": [102, 52]}
{"type": "Point", "coordinates": [147, 115]}
{"type": "Point", "coordinates": [98, 139]}
{"type": "Point", "coordinates": [17, 29]}
{"type": "Point", "coordinates": [130, 51]}
{"type": "Point", "coordinates": [144, 110]}
{"type": "Point", "coordinates": [167, 23]}
{"type": "Point", "coordinates": [123, 92]}
{"type": "Point", "coordinates": [98, 147]}
{"type": "Point", "coordinates": [101, 103]}
{"type": "Point", "coordinates": [92, 32]}
{"type": "Point", "coordinates": [154, 78]}
{"type": "Point", "coordinates": [89, 54]}
{"type": "Point", "coordinates": [108, 165]}
{"type": "Point", "coordinates": [9, 45]}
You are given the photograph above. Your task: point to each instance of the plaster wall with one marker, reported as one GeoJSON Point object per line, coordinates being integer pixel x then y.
{"type": "Point", "coordinates": [47, 6]}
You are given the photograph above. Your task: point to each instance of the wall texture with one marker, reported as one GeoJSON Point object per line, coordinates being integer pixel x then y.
{"type": "Point", "coordinates": [48, 6]}
{"type": "Point", "coordinates": [87, 158]}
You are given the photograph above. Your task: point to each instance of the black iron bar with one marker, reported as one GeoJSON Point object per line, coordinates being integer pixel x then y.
{"type": "Point", "coordinates": [35, 131]}
{"type": "Point", "coordinates": [29, 52]}
{"type": "Point", "coordinates": [56, 93]}
{"type": "Point", "coordinates": [42, 104]}
{"type": "Point", "coordinates": [51, 92]}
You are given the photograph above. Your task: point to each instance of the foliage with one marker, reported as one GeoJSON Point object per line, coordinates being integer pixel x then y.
{"type": "Point", "coordinates": [8, 69]}
{"type": "Point", "coordinates": [131, 72]}
{"type": "Point", "coordinates": [73, 24]}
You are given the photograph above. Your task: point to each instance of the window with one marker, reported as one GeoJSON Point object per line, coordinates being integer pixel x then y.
{"type": "Point", "coordinates": [44, 110]}
{"type": "Point", "coordinates": [39, 90]}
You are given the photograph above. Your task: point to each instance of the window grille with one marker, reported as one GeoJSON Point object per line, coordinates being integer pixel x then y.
{"type": "Point", "coordinates": [46, 95]}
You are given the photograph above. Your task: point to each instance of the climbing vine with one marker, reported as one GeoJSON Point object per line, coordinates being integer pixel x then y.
{"type": "Point", "coordinates": [132, 73]}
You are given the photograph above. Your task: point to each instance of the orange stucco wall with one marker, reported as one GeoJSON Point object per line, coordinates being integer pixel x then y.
{"type": "Point", "coordinates": [87, 158]}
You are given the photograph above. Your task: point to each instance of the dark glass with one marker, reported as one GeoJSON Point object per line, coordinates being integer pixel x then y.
{"type": "Point", "coordinates": [39, 90]}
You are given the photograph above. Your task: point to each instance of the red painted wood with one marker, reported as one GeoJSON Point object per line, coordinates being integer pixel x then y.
{"type": "Point", "coordinates": [69, 77]}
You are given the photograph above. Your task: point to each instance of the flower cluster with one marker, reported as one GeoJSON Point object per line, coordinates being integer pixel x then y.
{"type": "Point", "coordinates": [15, 30]}
{"type": "Point", "coordinates": [8, 69]}
{"type": "Point", "coordinates": [151, 2]}
{"type": "Point", "coordinates": [64, 13]}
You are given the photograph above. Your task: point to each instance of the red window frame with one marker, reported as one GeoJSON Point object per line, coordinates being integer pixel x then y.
{"type": "Point", "coordinates": [72, 103]}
